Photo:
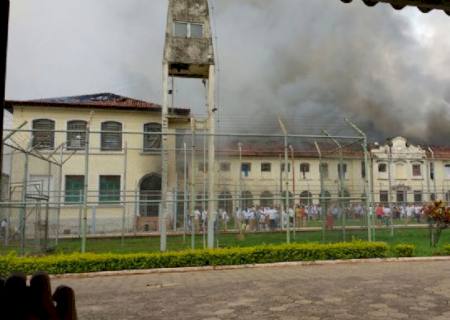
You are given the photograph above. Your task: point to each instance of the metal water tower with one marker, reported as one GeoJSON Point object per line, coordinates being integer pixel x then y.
{"type": "Point", "coordinates": [188, 53]}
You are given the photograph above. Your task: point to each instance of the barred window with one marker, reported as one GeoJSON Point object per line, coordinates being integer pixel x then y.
{"type": "Point", "coordinates": [304, 169]}
{"type": "Point", "coordinates": [283, 166]}
{"type": "Point", "coordinates": [342, 171]}
{"type": "Point", "coordinates": [246, 168]}
{"type": "Point", "coordinates": [384, 196]}
{"type": "Point", "coordinates": [416, 170]}
{"type": "Point", "coordinates": [152, 136]}
{"type": "Point", "coordinates": [74, 189]}
{"type": "Point", "coordinates": [323, 169]}
{"type": "Point", "coordinates": [418, 196]}
{"type": "Point", "coordinates": [111, 136]}
{"type": "Point", "coordinates": [43, 134]}
{"type": "Point", "coordinates": [76, 134]}
{"type": "Point", "coordinates": [225, 166]}
{"type": "Point", "coordinates": [266, 167]}
{"type": "Point", "coordinates": [109, 189]}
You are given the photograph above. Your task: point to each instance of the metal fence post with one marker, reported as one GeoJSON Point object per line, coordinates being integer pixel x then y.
{"type": "Point", "coordinates": [124, 196]}
{"type": "Point", "coordinates": [86, 186]}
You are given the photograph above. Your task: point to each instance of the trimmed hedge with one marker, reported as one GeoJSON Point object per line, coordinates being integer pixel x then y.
{"type": "Point", "coordinates": [404, 250]}
{"type": "Point", "coordinates": [89, 262]}
{"type": "Point", "coordinates": [447, 249]}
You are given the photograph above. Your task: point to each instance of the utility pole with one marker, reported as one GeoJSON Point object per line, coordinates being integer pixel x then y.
{"type": "Point", "coordinates": [322, 191]}
{"type": "Point", "coordinates": [293, 187]}
{"type": "Point", "coordinates": [4, 21]}
{"type": "Point", "coordinates": [390, 187]}
{"type": "Point", "coordinates": [192, 194]}
{"type": "Point", "coordinates": [434, 172]}
{"type": "Point", "coordinates": [185, 192]}
{"type": "Point", "coordinates": [211, 157]}
{"type": "Point", "coordinates": [163, 212]}
{"type": "Point", "coordinates": [286, 180]}
{"type": "Point", "coordinates": [240, 190]}
{"type": "Point", "coordinates": [86, 185]}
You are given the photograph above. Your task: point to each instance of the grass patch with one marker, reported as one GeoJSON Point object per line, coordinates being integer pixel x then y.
{"type": "Point", "coordinates": [417, 237]}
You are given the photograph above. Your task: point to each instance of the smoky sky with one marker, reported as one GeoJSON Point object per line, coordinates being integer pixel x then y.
{"type": "Point", "coordinates": [307, 61]}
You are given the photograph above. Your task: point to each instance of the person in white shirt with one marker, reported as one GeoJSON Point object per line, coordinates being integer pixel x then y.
{"type": "Point", "coordinates": [291, 216]}
{"type": "Point", "coordinates": [225, 219]}
{"type": "Point", "coordinates": [272, 219]}
{"type": "Point", "coordinates": [197, 217]}
{"type": "Point", "coordinates": [409, 213]}
{"type": "Point", "coordinates": [204, 220]}
{"type": "Point", "coordinates": [387, 215]}
{"type": "Point", "coordinates": [417, 212]}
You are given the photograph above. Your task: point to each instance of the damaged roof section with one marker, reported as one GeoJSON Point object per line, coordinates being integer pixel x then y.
{"type": "Point", "coordinates": [99, 100]}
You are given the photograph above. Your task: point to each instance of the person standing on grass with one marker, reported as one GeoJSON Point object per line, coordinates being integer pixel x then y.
{"type": "Point", "coordinates": [379, 212]}
{"type": "Point", "coordinates": [417, 212]}
{"type": "Point", "coordinates": [197, 218]}
{"type": "Point", "coordinates": [225, 219]}
{"type": "Point", "coordinates": [3, 228]}
{"type": "Point", "coordinates": [387, 213]}
{"type": "Point", "coordinates": [272, 219]}
{"type": "Point", "coordinates": [409, 213]}
{"type": "Point", "coordinates": [329, 223]}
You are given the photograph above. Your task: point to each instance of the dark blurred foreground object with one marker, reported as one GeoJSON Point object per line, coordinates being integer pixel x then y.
{"type": "Point", "coordinates": [35, 302]}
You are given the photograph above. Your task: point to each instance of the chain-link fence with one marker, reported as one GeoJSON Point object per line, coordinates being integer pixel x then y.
{"type": "Point", "coordinates": [266, 189]}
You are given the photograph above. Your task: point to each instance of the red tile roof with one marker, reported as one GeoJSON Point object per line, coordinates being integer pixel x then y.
{"type": "Point", "coordinates": [100, 100]}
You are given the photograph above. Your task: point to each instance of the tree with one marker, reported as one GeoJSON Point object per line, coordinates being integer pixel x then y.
{"type": "Point", "coordinates": [438, 217]}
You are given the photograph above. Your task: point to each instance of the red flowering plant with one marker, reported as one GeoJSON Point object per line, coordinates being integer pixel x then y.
{"type": "Point", "coordinates": [438, 217]}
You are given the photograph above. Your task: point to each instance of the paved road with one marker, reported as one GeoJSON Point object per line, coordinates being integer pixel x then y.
{"type": "Point", "coordinates": [389, 290]}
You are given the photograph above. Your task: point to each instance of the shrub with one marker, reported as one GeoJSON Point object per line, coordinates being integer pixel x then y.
{"type": "Point", "coordinates": [404, 250]}
{"type": "Point", "coordinates": [89, 262]}
{"type": "Point", "coordinates": [438, 216]}
{"type": "Point", "coordinates": [446, 249]}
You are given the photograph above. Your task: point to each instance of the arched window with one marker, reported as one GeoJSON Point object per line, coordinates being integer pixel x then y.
{"type": "Point", "coordinates": [326, 198]}
{"type": "Point", "coordinates": [266, 199]}
{"type": "Point", "coordinates": [291, 199]}
{"type": "Point", "coordinates": [111, 136]}
{"type": "Point", "coordinates": [76, 134]}
{"type": "Point", "coordinates": [306, 198]}
{"type": "Point", "coordinates": [150, 195]}
{"type": "Point", "coordinates": [43, 134]}
{"type": "Point", "coordinates": [202, 201]}
{"type": "Point", "coordinates": [247, 199]}
{"type": "Point", "coordinates": [226, 202]}
{"type": "Point", "coordinates": [152, 136]}
{"type": "Point", "coordinates": [344, 196]}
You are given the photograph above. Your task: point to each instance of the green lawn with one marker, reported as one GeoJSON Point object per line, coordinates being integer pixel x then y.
{"type": "Point", "coordinates": [419, 237]}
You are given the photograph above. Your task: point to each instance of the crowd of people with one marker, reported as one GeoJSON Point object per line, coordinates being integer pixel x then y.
{"type": "Point", "coordinates": [409, 213]}
{"type": "Point", "coordinates": [259, 218]}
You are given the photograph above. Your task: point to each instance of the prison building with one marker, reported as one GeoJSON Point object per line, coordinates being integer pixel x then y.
{"type": "Point", "coordinates": [50, 170]}
{"type": "Point", "coordinates": [55, 133]}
